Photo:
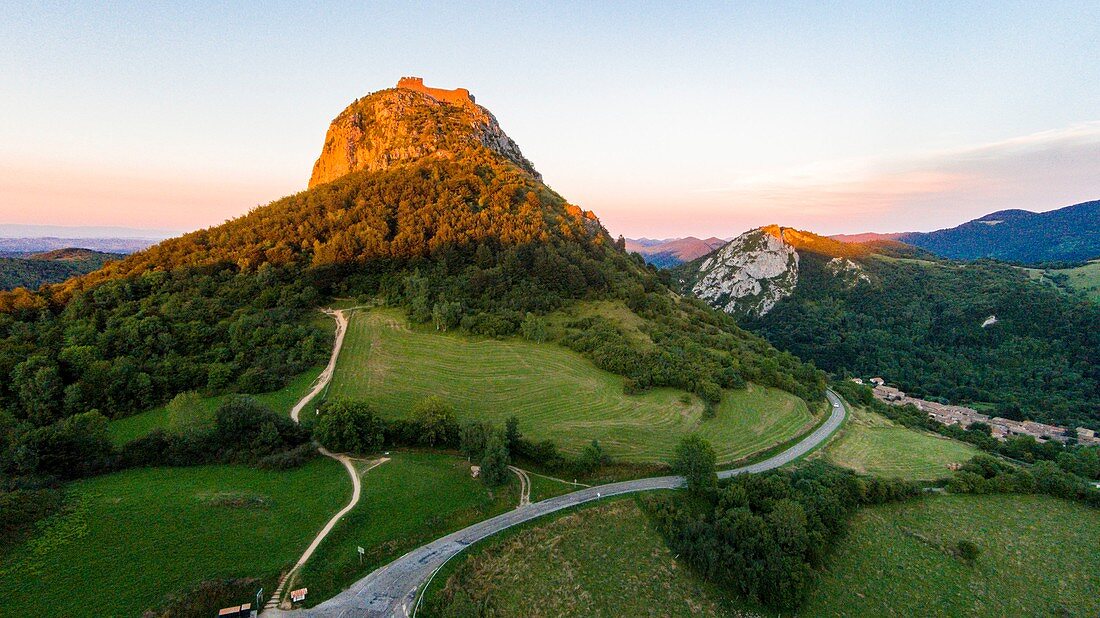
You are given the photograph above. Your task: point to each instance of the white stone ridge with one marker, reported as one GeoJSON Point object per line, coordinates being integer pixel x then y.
{"type": "Point", "coordinates": [750, 274]}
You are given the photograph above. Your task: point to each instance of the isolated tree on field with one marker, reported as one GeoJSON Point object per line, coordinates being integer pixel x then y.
{"type": "Point", "coordinates": [349, 427]}
{"type": "Point", "coordinates": [593, 457]}
{"type": "Point", "coordinates": [494, 464]}
{"type": "Point", "coordinates": [435, 420]}
{"type": "Point", "coordinates": [696, 461]}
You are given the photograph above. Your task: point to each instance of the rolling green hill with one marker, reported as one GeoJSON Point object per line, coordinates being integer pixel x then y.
{"type": "Point", "coordinates": [556, 393]}
{"type": "Point", "coordinates": [37, 269]}
{"type": "Point", "coordinates": [1083, 279]}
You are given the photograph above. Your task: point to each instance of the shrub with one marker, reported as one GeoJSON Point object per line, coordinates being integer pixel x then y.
{"type": "Point", "coordinates": [967, 550]}
{"type": "Point", "coordinates": [349, 427]}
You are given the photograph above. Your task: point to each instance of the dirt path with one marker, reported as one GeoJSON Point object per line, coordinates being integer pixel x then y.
{"type": "Point", "coordinates": [524, 486]}
{"type": "Point", "coordinates": [323, 381]}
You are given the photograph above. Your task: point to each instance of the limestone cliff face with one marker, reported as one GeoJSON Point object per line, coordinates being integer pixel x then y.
{"type": "Point", "coordinates": [750, 274]}
{"type": "Point", "coordinates": [406, 124]}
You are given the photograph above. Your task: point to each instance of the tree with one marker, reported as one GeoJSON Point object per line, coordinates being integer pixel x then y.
{"type": "Point", "coordinates": [494, 464]}
{"type": "Point", "coordinates": [593, 457]}
{"type": "Point", "coordinates": [473, 438]}
{"type": "Point", "coordinates": [435, 421]}
{"type": "Point", "coordinates": [512, 434]}
{"type": "Point", "coordinates": [534, 328]}
{"type": "Point", "coordinates": [183, 410]}
{"type": "Point", "coordinates": [968, 550]}
{"type": "Point", "coordinates": [349, 427]}
{"type": "Point", "coordinates": [695, 461]}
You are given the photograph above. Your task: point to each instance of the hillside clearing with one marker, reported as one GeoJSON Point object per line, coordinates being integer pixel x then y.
{"type": "Point", "coordinates": [556, 393]}
{"type": "Point", "coordinates": [872, 444]}
{"type": "Point", "coordinates": [134, 537]}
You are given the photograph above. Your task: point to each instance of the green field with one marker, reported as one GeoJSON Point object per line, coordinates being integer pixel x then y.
{"type": "Point", "coordinates": [125, 429]}
{"type": "Point", "coordinates": [406, 502]}
{"type": "Point", "coordinates": [556, 393]}
{"type": "Point", "coordinates": [1085, 278]}
{"type": "Point", "coordinates": [133, 537]}
{"type": "Point", "coordinates": [605, 560]}
{"type": "Point", "coordinates": [1039, 558]}
{"type": "Point", "coordinates": [872, 444]}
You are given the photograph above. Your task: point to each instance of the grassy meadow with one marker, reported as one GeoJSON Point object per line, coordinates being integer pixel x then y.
{"type": "Point", "coordinates": [556, 393]}
{"type": "Point", "coordinates": [872, 444]}
{"type": "Point", "coordinates": [605, 560]}
{"type": "Point", "coordinates": [129, 539]}
{"type": "Point", "coordinates": [1084, 278]}
{"type": "Point", "coordinates": [125, 429]}
{"type": "Point", "coordinates": [410, 500]}
{"type": "Point", "coordinates": [1038, 558]}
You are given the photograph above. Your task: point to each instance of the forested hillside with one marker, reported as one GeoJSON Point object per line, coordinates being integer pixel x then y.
{"type": "Point", "coordinates": [918, 323]}
{"type": "Point", "coordinates": [1070, 234]}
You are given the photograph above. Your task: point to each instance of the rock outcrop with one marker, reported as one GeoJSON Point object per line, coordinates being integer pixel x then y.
{"type": "Point", "coordinates": [750, 274]}
{"type": "Point", "coordinates": [406, 124]}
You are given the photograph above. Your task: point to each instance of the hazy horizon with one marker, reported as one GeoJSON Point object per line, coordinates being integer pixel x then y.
{"type": "Point", "coordinates": [701, 119]}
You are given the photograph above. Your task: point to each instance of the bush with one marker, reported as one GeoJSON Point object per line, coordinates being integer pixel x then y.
{"type": "Point", "coordinates": [494, 463]}
{"type": "Point", "coordinates": [435, 422]}
{"type": "Point", "coordinates": [349, 427]}
{"type": "Point", "coordinates": [967, 550]}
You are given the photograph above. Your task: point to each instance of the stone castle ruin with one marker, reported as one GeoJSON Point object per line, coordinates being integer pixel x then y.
{"type": "Point", "coordinates": [458, 96]}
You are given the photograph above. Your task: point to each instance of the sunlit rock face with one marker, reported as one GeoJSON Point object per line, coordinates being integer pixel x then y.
{"type": "Point", "coordinates": [750, 274]}
{"type": "Point", "coordinates": [409, 123]}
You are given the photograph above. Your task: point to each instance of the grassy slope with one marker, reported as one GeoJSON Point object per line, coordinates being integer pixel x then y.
{"type": "Point", "coordinates": [1038, 558]}
{"type": "Point", "coordinates": [410, 500]}
{"type": "Point", "coordinates": [873, 444]}
{"type": "Point", "coordinates": [556, 393]}
{"type": "Point", "coordinates": [605, 560]}
{"type": "Point", "coordinates": [1084, 278]}
{"type": "Point", "coordinates": [139, 535]}
{"type": "Point", "coordinates": [130, 427]}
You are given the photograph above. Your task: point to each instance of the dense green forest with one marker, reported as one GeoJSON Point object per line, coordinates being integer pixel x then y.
{"type": "Point", "coordinates": [918, 323]}
{"type": "Point", "coordinates": [33, 271]}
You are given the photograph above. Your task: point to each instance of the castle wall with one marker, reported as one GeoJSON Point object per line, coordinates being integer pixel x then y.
{"type": "Point", "coordinates": [458, 96]}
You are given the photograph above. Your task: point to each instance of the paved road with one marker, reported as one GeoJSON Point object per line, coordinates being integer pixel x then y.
{"type": "Point", "coordinates": [391, 590]}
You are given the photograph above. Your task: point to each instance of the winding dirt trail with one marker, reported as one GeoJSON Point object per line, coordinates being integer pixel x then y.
{"type": "Point", "coordinates": [524, 486]}
{"type": "Point", "coordinates": [323, 381]}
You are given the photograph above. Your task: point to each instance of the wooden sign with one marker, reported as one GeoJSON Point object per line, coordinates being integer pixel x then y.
{"type": "Point", "coordinates": [299, 595]}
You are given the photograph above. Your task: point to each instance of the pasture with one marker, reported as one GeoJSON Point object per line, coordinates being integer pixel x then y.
{"type": "Point", "coordinates": [604, 560]}
{"type": "Point", "coordinates": [131, 538]}
{"type": "Point", "coordinates": [410, 500]}
{"type": "Point", "coordinates": [872, 444]}
{"type": "Point", "coordinates": [1038, 558]}
{"type": "Point", "coordinates": [556, 393]}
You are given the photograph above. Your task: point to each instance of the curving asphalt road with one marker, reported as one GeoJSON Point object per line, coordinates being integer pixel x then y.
{"type": "Point", "coordinates": [391, 590]}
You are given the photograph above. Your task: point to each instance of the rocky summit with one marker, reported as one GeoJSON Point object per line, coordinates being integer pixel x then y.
{"type": "Point", "coordinates": [408, 123]}
{"type": "Point", "coordinates": [750, 274]}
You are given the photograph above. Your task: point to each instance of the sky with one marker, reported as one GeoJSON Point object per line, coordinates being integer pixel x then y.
{"type": "Point", "coordinates": [666, 119]}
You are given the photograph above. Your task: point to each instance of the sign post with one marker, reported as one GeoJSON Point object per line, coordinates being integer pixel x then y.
{"type": "Point", "coordinates": [260, 598]}
{"type": "Point", "coordinates": [361, 552]}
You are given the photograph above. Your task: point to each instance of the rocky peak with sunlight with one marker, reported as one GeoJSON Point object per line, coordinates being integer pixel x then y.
{"type": "Point", "coordinates": [409, 123]}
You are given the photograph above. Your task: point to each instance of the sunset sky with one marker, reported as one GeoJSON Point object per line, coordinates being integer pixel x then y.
{"type": "Point", "coordinates": [666, 120]}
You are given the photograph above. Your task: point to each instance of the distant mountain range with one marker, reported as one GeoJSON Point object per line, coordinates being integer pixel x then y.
{"type": "Point", "coordinates": [21, 246]}
{"type": "Point", "coordinates": [1070, 234]}
{"type": "Point", "coordinates": [672, 251]}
